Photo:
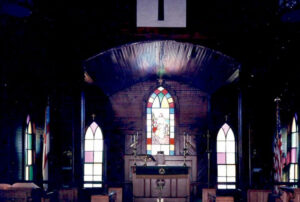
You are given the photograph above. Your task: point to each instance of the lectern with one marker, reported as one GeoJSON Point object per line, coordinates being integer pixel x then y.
{"type": "Point", "coordinates": [169, 183]}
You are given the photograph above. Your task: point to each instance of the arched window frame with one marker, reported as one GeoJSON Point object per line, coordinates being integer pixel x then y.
{"type": "Point", "coordinates": [293, 172]}
{"type": "Point", "coordinates": [93, 157]}
{"type": "Point", "coordinates": [160, 99]}
{"type": "Point", "coordinates": [28, 150]}
{"type": "Point", "coordinates": [226, 158]}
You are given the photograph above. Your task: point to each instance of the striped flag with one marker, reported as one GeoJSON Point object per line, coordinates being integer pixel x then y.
{"type": "Point", "coordinates": [46, 146]}
{"type": "Point", "coordinates": [277, 151]}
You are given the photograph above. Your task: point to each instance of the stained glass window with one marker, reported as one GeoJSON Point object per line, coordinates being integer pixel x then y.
{"type": "Point", "coordinates": [93, 157]}
{"type": "Point", "coordinates": [293, 174]}
{"type": "Point", "coordinates": [226, 163]}
{"type": "Point", "coordinates": [28, 150]}
{"type": "Point", "coordinates": [160, 122]}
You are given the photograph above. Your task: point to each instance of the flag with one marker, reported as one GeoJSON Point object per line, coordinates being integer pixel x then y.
{"type": "Point", "coordinates": [46, 146]}
{"type": "Point", "coordinates": [277, 151]}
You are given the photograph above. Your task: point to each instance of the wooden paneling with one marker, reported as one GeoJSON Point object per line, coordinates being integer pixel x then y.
{"type": "Point", "coordinates": [224, 199]}
{"type": "Point", "coordinates": [255, 195]}
{"type": "Point", "coordinates": [297, 195]}
{"type": "Point", "coordinates": [119, 192]}
{"type": "Point", "coordinates": [208, 194]}
{"type": "Point", "coordinates": [174, 187]}
{"type": "Point", "coordinates": [99, 198]}
{"type": "Point", "coordinates": [68, 194]}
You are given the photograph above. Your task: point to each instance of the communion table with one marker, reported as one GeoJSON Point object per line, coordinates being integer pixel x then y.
{"type": "Point", "coordinates": [169, 183]}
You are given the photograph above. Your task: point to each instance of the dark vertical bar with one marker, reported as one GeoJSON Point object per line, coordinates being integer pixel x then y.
{"type": "Point", "coordinates": [240, 137]}
{"type": "Point", "coordinates": [73, 147]}
{"type": "Point", "coordinates": [249, 155]}
{"type": "Point", "coordinates": [82, 125]}
{"type": "Point", "coordinates": [161, 10]}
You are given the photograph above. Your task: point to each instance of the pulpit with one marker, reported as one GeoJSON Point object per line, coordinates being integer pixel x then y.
{"type": "Point", "coordinates": [169, 183]}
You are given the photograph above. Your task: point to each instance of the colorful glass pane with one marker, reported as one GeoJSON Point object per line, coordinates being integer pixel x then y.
{"type": "Point", "coordinates": [160, 122]}
{"type": "Point", "coordinates": [157, 91]}
{"type": "Point", "coordinates": [29, 138]}
{"type": "Point", "coordinates": [30, 173]}
{"type": "Point", "coordinates": [161, 96]}
{"type": "Point", "coordinates": [151, 100]}
{"type": "Point", "coordinates": [88, 157]}
{"type": "Point", "coordinates": [221, 158]}
{"type": "Point", "coordinates": [160, 88]}
{"type": "Point", "coordinates": [172, 147]}
{"type": "Point", "coordinates": [165, 103]}
{"type": "Point", "coordinates": [29, 157]}
{"type": "Point", "coordinates": [293, 155]}
{"type": "Point", "coordinates": [29, 128]}
{"type": "Point", "coordinates": [170, 100]}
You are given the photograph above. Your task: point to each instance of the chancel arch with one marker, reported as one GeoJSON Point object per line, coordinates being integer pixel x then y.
{"type": "Point", "coordinates": [93, 157]}
{"type": "Point", "coordinates": [226, 158]}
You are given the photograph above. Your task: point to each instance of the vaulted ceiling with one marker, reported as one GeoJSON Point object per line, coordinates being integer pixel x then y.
{"type": "Point", "coordinates": [120, 67]}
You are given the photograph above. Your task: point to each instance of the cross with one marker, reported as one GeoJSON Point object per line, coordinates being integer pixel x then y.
{"type": "Point", "coordinates": [160, 81]}
{"type": "Point", "coordinates": [161, 9]}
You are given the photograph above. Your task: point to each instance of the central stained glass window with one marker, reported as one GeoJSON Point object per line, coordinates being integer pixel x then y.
{"type": "Point", "coordinates": [160, 122]}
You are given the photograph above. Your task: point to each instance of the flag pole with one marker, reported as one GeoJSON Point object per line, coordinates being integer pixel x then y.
{"type": "Point", "coordinates": [46, 146]}
{"type": "Point", "coordinates": [277, 149]}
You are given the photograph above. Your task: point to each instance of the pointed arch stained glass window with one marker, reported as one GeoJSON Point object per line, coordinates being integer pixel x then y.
{"type": "Point", "coordinates": [160, 122]}
{"type": "Point", "coordinates": [226, 158]}
{"type": "Point", "coordinates": [93, 156]}
{"type": "Point", "coordinates": [28, 150]}
{"type": "Point", "coordinates": [293, 174]}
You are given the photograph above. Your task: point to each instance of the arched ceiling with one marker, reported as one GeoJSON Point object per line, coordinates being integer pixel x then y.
{"type": "Point", "coordinates": [121, 67]}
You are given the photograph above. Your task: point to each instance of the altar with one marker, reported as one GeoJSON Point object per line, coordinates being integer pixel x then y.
{"type": "Point", "coordinates": [170, 182]}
